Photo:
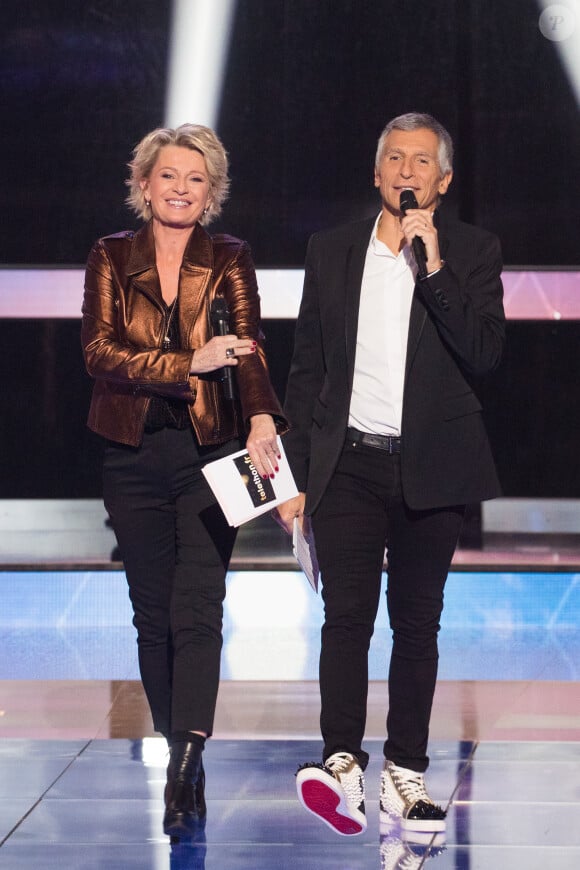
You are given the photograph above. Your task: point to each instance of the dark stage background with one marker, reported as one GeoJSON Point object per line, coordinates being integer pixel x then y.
{"type": "Point", "coordinates": [307, 90]}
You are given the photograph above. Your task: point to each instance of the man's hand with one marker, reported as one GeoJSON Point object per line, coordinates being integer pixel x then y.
{"type": "Point", "coordinates": [286, 512]}
{"type": "Point", "coordinates": [419, 222]}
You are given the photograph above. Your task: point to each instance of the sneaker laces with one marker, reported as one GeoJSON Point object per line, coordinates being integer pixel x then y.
{"type": "Point", "coordinates": [339, 762]}
{"type": "Point", "coordinates": [410, 784]}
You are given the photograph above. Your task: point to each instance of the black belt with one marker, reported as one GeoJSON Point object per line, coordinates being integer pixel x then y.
{"type": "Point", "coordinates": [389, 443]}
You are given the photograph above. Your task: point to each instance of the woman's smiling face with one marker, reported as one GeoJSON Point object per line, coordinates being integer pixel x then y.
{"type": "Point", "coordinates": [178, 186]}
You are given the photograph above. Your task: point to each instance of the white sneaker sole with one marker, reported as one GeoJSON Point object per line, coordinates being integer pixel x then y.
{"type": "Point", "coordinates": [321, 794]}
{"type": "Point", "coordinates": [423, 825]}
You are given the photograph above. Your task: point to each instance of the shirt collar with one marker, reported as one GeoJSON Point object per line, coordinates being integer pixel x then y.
{"type": "Point", "coordinates": [381, 250]}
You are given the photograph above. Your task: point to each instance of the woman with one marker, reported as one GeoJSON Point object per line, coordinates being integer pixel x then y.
{"type": "Point", "coordinates": [159, 401]}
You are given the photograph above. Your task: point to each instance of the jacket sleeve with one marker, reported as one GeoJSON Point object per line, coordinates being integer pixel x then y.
{"type": "Point", "coordinates": [465, 300]}
{"type": "Point", "coordinates": [240, 290]}
{"type": "Point", "coordinates": [110, 357]}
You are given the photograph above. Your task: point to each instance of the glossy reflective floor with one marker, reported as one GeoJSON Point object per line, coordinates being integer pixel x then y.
{"type": "Point", "coordinates": [82, 773]}
{"type": "Point", "coordinates": [97, 804]}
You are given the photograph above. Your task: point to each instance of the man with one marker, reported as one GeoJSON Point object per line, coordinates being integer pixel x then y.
{"type": "Point", "coordinates": [387, 446]}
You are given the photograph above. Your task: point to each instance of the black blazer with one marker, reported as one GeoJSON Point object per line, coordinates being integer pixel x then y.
{"type": "Point", "coordinates": [456, 335]}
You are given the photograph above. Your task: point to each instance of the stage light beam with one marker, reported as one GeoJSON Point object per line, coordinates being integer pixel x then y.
{"type": "Point", "coordinates": [198, 49]}
{"type": "Point", "coordinates": [560, 23]}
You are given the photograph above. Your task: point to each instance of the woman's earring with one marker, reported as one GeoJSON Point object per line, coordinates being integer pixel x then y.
{"type": "Point", "coordinates": [147, 203]}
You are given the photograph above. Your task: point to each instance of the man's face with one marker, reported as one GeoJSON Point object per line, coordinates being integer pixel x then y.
{"type": "Point", "coordinates": [410, 160]}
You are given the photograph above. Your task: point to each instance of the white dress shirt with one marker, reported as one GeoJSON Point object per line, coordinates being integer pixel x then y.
{"type": "Point", "coordinates": [376, 403]}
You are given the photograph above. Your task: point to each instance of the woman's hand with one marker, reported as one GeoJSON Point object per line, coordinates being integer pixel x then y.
{"type": "Point", "coordinates": [220, 351]}
{"type": "Point", "coordinates": [262, 445]}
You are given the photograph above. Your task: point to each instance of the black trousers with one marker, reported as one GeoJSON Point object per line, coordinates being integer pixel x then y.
{"type": "Point", "coordinates": [176, 545]}
{"type": "Point", "coordinates": [362, 512]}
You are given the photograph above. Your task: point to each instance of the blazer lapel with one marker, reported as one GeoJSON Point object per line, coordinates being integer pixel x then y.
{"type": "Point", "coordinates": [440, 219]}
{"type": "Point", "coordinates": [416, 324]}
{"type": "Point", "coordinates": [418, 310]}
{"type": "Point", "coordinates": [355, 263]}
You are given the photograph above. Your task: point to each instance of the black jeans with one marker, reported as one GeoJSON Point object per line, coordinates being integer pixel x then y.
{"type": "Point", "coordinates": [362, 512]}
{"type": "Point", "coordinates": [176, 545]}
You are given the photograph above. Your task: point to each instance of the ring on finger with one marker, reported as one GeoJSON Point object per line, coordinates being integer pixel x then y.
{"type": "Point", "coordinates": [230, 352]}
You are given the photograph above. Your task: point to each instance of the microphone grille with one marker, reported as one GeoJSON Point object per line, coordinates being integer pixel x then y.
{"type": "Point", "coordinates": [408, 200]}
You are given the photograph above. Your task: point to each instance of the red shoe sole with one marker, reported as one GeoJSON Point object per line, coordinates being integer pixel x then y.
{"type": "Point", "coordinates": [324, 803]}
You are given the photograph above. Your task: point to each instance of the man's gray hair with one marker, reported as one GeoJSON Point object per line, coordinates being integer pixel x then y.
{"type": "Point", "coordinates": [419, 121]}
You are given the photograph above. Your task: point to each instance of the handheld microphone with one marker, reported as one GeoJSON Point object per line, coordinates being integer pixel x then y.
{"type": "Point", "coordinates": [409, 200]}
{"type": "Point", "coordinates": [219, 317]}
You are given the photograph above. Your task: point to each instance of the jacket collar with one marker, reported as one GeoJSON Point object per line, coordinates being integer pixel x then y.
{"type": "Point", "coordinates": [355, 263]}
{"type": "Point", "coordinates": [418, 310]}
{"type": "Point", "coordinates": [198, 253]}
{"type": "Point", "coordinates": [196, 270]}
{"type": "Point", "coordinates": [441, 220]}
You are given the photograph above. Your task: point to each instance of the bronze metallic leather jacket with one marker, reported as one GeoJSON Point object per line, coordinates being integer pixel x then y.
{"type": "Point", "coordinates": [124, 325]}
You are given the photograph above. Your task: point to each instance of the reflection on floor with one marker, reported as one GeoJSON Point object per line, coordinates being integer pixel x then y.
{"type": "Point", "coordinates": [82, 773]}
{"type": "Point", "coordinates": [96, 804]}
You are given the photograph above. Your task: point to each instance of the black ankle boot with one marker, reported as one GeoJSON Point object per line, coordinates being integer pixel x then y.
{"type": "Point", "coordinates": [185, 808]}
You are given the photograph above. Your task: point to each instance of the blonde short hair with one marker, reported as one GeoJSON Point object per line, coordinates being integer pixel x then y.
{"type": "Point", "coordinates": [193, 136]}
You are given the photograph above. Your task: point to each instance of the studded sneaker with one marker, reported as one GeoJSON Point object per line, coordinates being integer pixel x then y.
{"type": "Point", "coordinates": [403, 795]}
{"type": "Point", "coordinates": [403, 855]}
{"type": "Point", "coordinates": [407, 850]}
{"type": "Point", "coordinates": [335, 792]}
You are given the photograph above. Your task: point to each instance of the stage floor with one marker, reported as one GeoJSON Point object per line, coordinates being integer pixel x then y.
{"type": "Point", "coordinates": [505, 757]}
{"type": "Point", "coordinates": [98, 804]}
{"type": "Point", "coordinates": [82, 773]}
